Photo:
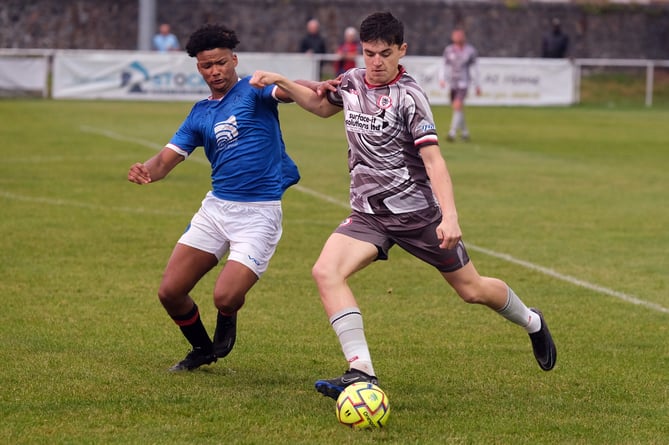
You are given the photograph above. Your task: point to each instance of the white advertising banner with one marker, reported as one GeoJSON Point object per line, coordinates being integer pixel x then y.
{"type": "Point", "coordinates": [155, 76]}
{"type": "Point", "coordinates": [23, 74]}
{"type": "Point", "coordinates": [503, 81]}
{"type": "Point", "coordinates": [136, 75]}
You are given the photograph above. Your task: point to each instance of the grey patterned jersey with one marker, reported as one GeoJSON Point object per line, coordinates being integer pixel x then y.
{"type": "Point", "coordinates": [386, 126]}
{"type": "Point", "coordinates": [460, 66]}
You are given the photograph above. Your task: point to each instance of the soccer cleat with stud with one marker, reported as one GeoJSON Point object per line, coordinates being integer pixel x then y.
{"type": "Point", "coordinates": [194, 359]}
{"type": "Point", "coordinates": [333, 387]}
{"type": "Point", "coordinates": [542, 344]}
{"type": "Point", "coordinates": [225, 334]}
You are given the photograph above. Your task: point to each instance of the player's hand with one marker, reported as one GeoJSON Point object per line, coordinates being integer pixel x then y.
{"type": "Point", "coordinates": [442, 84]}
{"type": "Point", "coordinates": [139, 174]}
{"type": "Point", "coordinates": [328, 85]}
{"type": "Point", "coordinates": [478, 91]}
{"type": "Point", "coordinates": [261, 79]}
{"type": "Point", "coordinates": [449, 233]}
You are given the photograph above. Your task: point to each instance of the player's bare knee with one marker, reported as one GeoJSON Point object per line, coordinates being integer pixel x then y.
{"type": "Point", "coordinates": [167, 295]}
{"type": "Point", "coordinates": [174, 301]}
{"type": "Point", "coordinates": [320, 273]}
{"type": "Point", "coordinates": [471, 296]}
{"type": "Point", "coordinates": [327, 278]}
{"type": "Point", "coordinates": [229, 303]}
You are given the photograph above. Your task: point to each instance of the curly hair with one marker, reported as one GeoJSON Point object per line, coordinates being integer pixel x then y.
{"type": "Point", "coordinates": [211, 37]}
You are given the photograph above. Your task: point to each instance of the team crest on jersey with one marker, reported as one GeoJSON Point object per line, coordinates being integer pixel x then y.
{"type": "Point", "coordinates": [384, 102]}
{"type": "Point", "coordinates": [226, 131]}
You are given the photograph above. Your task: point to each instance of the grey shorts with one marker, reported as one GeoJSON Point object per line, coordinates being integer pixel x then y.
{"type": "Point", "coordinates": [458, 93]}
{"type": "Point", "coordinates": [416, 233]}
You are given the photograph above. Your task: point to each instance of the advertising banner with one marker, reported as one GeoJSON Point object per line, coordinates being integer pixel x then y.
{"type": "Point", "coordinates": [504, 81]}
{"type": "Point", "coordinates": [154, 76]}
{"type": "Point", "coordinates": [157, 76]}
{"type": "Point", "coordinates": [23, 75]}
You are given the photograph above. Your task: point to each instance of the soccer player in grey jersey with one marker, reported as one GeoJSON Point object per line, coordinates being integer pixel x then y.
{"type": "Point", "coordinates": [401, 193]}
{"type": "Point", "coordinates": [459, 71]}
{"type": "Point", "coordinates": [387, 179]}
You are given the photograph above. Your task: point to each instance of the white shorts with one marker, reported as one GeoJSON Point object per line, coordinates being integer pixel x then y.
{"type": "Point", "coordinates": [250, 231]}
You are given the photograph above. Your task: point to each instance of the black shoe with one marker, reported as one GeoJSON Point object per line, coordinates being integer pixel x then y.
{"type": "Point", "coordinates": [194, 359]}
{"type": "Point", "coordinates": [543, 345]}
{"type": "Point", "coordinates": [333, 387]}
{"type": "Point", "coordinates": [465, 138]}
{"type": "Point", "coordinates": [225, 334]}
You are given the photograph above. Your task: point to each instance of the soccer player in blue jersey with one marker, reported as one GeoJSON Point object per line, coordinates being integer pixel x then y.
{"type": "Point", "coordinates": [238, 126]}
{"type": "Point", "coordinates": [401, 194]}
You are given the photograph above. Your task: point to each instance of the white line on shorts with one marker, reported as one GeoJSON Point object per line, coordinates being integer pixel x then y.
{"type": "Point", "coordinates": [526, 264]}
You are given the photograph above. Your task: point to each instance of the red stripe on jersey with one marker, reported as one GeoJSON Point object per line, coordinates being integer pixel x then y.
{"type": "Point", "coordinates": [429, 139]}
{"type": "Point", "coordinates": [395, 80]}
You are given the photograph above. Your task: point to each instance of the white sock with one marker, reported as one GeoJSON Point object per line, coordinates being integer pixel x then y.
{"type": "Point", "coordinates": [516, 312]}
{"type": "Point", "coordinates": [463, 125]}
{"type": "Point", "coordinates": [347, 324]}
{"type": "Point", "coordinates": [455, 122]}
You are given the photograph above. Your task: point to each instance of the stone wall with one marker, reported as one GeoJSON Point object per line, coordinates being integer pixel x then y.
{"type": "Point", "coordinates": [511, 28]}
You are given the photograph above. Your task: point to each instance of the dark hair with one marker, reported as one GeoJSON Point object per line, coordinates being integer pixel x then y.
{"type": "Point", "coordinates": [211, 37]}
{"type": "Point", "coordinates": [382, 26]}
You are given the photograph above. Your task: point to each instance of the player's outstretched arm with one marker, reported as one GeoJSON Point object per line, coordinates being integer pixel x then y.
{"type": "Point", "coordinates": [156, 168]}
{"type": "Point", "coordinates": [304, 96]}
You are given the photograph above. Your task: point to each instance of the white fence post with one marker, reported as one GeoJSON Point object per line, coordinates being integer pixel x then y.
{"type": "Point", "coordinates": [650, 68]}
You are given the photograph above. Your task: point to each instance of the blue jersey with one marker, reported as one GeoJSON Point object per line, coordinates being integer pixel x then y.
{"type": "Point", "coordinates": [242, 139]}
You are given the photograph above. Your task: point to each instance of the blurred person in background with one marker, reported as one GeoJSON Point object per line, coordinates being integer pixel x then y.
{"type": "Point", "coordinates": [347, 51]}
{"type": "Point", "coordinates": [313, 42]}
{"type": "Point", "coordinates": [458, 71]}
{"type": "Point", "coordinates": [554, 45]}
{"type": "Point", "coordinates": [165, 41]}
{"type": "Point", "coordinates": [241, 217]}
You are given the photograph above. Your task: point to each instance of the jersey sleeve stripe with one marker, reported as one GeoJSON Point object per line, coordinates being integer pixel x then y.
{"type": "Point", "coordinates": [428, 139]}
{"type": "Point", "coordinates": [173, 147]}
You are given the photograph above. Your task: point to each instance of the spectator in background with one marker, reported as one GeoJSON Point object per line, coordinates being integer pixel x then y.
{"type": "Point", "coordinates": [313, 42]}
{"type": "Point", "coordinates": [554, 45]}
{"type": "Point", "coordinates": [347, 51]}
{"type": "Point", "coordinates": [165, 41]}
{"type": "Point", "coordinates": [458, 71]}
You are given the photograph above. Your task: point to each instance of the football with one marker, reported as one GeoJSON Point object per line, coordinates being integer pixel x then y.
{"type": "Point", "coordinates": [363, 405]}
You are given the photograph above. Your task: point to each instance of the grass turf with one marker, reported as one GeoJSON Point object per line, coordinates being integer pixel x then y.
{"type": "Point", "coordinates": [581, 191]}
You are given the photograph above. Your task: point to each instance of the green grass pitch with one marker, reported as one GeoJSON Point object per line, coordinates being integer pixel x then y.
{"type": "Point", "coordinates": [569, 205]}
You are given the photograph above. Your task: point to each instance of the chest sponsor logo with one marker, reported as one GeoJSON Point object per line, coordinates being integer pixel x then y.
{"type": "Point", "coordinates": [363, 123]}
